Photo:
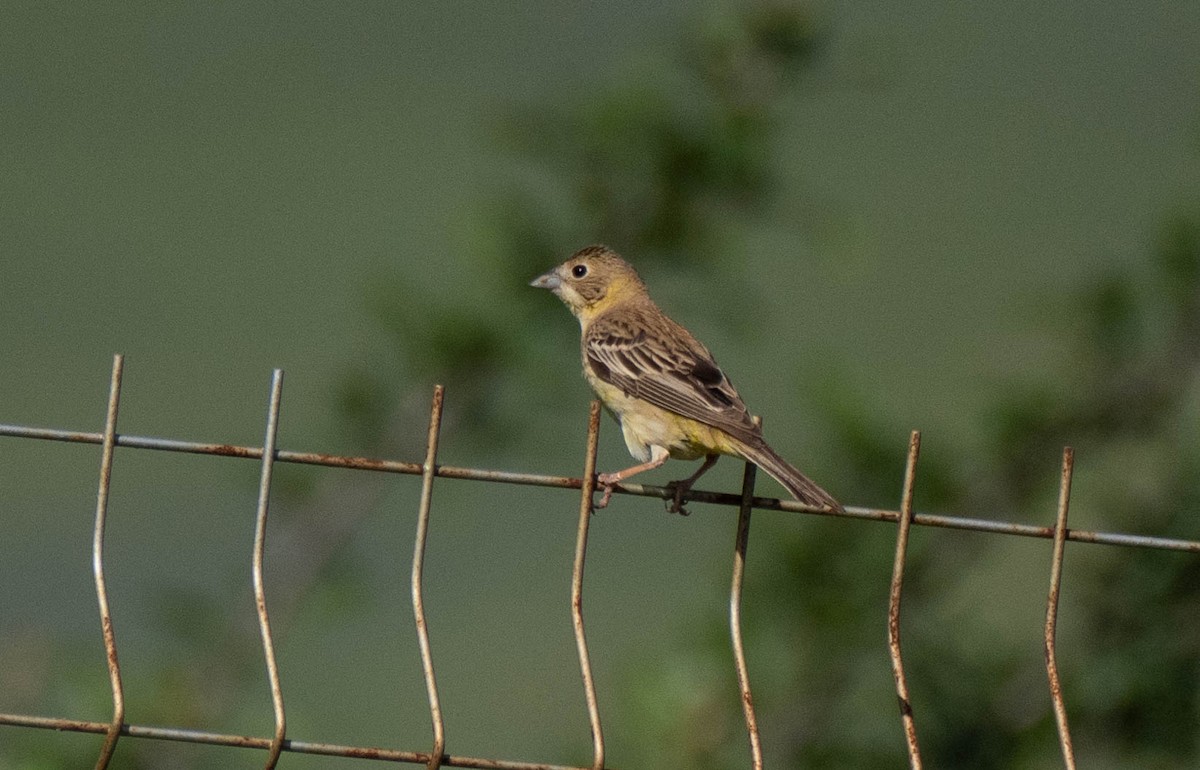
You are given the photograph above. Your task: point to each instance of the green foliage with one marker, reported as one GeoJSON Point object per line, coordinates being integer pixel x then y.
{"type": "Point", "coordinates": [658, 164]}
{"type": "Point", "coordinates": [662, 164]}
{"type": "Point", "coordinates": [653, 166]}
{"type": "Point", "coordinates": [1131, 677]}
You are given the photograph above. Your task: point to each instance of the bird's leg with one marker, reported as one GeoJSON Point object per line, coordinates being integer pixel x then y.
{"type": "Point", "coordinates": [683, 486]}
{"type": "Point", "coordinates": [658, 456]}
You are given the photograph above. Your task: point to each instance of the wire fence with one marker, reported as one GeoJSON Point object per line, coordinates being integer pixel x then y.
{"type": "Point", "coordinates": [436, 756]}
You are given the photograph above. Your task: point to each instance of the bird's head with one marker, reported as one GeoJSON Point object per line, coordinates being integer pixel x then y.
{"type": "Point", "coordinates": [591, 281]}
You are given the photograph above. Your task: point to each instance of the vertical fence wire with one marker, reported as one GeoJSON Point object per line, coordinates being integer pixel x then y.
{"type": "Point", "coordinates": [106, 624]}
{"type": "Point", "coordinates": [735, 615]}
{"type": "Point", "coordinates": [428, 471]}
{"type": "Point", "coordinates": [585, 515]}
{"type": "Point", "coordinates": [904, 522]}
{"type": "Point", "coordinates": [260, 543]}
{"type": "Point", "coordinates": [1060, 540]}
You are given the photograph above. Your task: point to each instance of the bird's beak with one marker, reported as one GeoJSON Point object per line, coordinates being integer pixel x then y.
{"type": "Point", "coordinates": [548, 280]}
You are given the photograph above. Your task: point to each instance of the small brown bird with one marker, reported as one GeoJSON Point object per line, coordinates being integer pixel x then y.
{"type": "Point", "coordinates": [660, 382]}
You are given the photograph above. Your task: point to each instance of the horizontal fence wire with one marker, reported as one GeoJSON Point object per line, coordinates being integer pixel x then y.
{"type": "Point", "coordinates": [568, 482]}
{"type": "Point", "coordinates": [267, 455]}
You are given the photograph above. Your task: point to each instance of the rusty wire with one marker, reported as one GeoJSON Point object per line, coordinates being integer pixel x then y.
{"type": "Point", "coordinates": [253, 742]}
{"type": "Point", "coordinates": [268, 454]}
{"type": "Point", "coordinates": [418, 564]}
{"type": "Point", "coordinates": [990, 526]}
{"type": "Point", "coordinates": [113, 731]}
{"type": "Point", "coordinates": [1060, 531]}
{"type": "Point", "coordinates": [735, 616]}
{"type": "Point", "coordinates": [260, 544]}
{"type": "Point", "coordinates": [585, 516]}
{"type": "Point", "coordinates": [902, 529]}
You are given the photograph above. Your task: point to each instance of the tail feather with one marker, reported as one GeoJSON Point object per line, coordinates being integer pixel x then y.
{"type": "Point", "coordinates": [801, 487]}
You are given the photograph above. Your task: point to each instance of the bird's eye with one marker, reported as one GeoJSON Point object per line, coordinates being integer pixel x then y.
{"type": "Point", "coordinates": [579, 271]}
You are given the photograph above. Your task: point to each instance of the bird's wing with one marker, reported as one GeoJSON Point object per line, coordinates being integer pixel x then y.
{"type": "Point", "coordinates": [649, 356]}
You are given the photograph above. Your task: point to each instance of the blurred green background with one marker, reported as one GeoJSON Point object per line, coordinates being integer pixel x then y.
{"type": "Point", "coordinates": [980, 220]}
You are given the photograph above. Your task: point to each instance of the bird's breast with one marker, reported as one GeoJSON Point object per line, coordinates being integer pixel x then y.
{"type": "Point", "coordinates": [645, 425]}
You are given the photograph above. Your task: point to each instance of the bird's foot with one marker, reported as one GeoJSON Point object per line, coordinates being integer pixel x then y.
{"type": "Point", "coordinates": [605, 481]}
{"type": "Point", "coordinates": [679, 490]}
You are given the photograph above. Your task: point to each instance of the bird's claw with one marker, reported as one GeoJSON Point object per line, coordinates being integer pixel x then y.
{"type": "Point", "coordinates": [604, 499]}
{"type": "Point", "coordinates": [676, 504]}
{"type": "Point", "coordinates": [605, 482]}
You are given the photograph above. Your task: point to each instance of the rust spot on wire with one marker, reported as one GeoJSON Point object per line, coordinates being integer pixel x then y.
{"type": "Point", "coordinates": [429, 469]}
{"type": "Point", "coordinates": [904, 523]}
{"type": "Point", "coordinates": [1060, 532]}
{"type": "Point", "coordinates": [230, 450]}
{"type": "Point", "coordinates": [113, 731]}
{"type": "Point", "coordinates": [260, 539]}
{"type": "Point", "coordinates": [585, 516]}
{"type": "Point", "coordinates": [357, 463]}
{"type": "Point", "coordinates": [735, 615]}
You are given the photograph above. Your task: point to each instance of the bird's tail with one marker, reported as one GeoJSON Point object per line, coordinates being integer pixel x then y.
{"type": "Point", "coordinates": [800, 486]}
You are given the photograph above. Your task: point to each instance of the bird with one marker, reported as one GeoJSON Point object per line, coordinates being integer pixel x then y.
{"type": "Point", "coordinates": [663, 385]}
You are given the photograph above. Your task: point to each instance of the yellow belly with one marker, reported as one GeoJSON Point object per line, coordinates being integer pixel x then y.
{"type": "Point", "coordinates": [645, 425]}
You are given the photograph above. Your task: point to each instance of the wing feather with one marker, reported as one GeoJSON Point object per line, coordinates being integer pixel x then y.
{"type": "Point", "coordinates": [649, 356]}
